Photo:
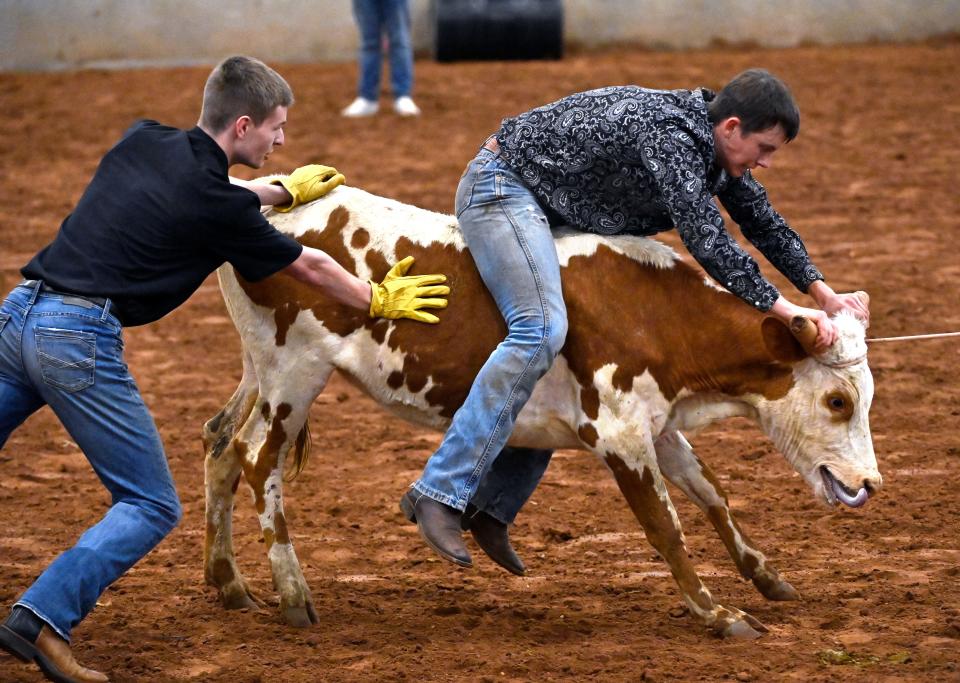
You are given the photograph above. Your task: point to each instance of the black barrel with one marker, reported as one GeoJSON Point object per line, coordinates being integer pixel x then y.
{"type": "Point", "coordinates": [497, 29]}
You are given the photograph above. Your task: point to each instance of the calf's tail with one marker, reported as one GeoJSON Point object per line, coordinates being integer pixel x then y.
{"type": "Point", "coordinates": [220, 430]}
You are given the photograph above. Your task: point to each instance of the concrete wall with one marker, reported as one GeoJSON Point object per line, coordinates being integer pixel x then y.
{"type": "Point", "coordinates": [769, 23]}
{"type": "Point", "coordinates": [56, 34]}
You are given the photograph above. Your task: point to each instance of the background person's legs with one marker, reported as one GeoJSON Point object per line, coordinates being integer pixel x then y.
{"type": "Point", "coordinates": [397, 24]}
{"type": "Point", "coordinates": [369, 17]}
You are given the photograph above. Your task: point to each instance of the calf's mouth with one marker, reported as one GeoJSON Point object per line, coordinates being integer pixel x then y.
{"type": "Point", "coordinates": [837, 492]}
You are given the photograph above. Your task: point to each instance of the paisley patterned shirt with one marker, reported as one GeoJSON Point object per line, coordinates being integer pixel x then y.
{"type": "Point", "coordinates": [631, 160]}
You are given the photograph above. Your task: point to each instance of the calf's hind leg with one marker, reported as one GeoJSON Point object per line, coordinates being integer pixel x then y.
{"type": "Point", "coordinates": [222, 471]}
{"type": "Point", "coordinates": [686, 471]}
{"type": "Point", "coordinates": [275, 423]}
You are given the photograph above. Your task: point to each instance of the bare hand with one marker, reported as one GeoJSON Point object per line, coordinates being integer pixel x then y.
{"type": "Point", "coordinates": [853, 302]}
{"type": "Point", "coordinates": [826, 330]}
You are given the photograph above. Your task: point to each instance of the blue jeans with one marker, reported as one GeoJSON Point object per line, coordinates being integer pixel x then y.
{"type": "Point", "coordinates": [374, 19]}
{"type": "Point", "coordinates": [67, 353]}
{"type": "Point", "coordinates": [510, 481]}
{"type": "Point", "coordinates": [512, 246]}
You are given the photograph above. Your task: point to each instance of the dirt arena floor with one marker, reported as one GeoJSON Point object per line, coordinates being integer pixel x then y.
{"type": "Point", "coordinates": [871, 184]}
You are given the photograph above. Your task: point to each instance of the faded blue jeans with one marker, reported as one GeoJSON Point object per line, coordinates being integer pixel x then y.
{"type": "Point", "coordinates": [376, 18]}
{"type": "Point", "coordinates": [67, 353]}
{"type": "Point", "coordinates": [511, 243]}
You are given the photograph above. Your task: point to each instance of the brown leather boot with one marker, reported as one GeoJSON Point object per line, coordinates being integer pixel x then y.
{"type": "Point", "coordinates": [51, 653]}
{"type": "Point", "coordinates": [493, 537]}
{"type": "Point", "coordinates": [55, 659]}
{"type": "Point", "coordinates": [439, 526]}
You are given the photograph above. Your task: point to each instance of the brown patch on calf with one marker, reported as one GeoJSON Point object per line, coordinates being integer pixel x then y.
{"type": "Point", "coordinates": [360, 239]}
{"type": "Point", "coordinates": [588, 434]}
{"type": "Point", "coordinates": [590, 401]}
{"type": "Point", "coordinates": [241, 448]}
{"type": "Point", "coordinates": [377, 263]}
{"type": "Point", "coordinates": [278, 534]}
{"type": "Point", "coordinates": [452, 352]}
{"type": "Point", "coordinates": [379, 330]}
{"type": "Point", "coordinates": [668, 322]}
{"type": "Point", "coordinates": [268, 456]}
{"type": "Point", "coordinates": [284, 316]}
{"type": "Point", "coordinates": [287, 297]}
{"type": "Point", "coordinates": [280, 526]}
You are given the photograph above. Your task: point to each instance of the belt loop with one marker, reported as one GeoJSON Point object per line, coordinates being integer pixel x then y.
{"type": "Point", "coordinates": [35, 285]}
{"type": "Point", "coordinates": [491, 144]}
{"type": "Point", "coordinates": [106, 309]}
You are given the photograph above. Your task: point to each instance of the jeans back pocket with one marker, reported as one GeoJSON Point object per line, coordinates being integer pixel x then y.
{"type": "Point", "coordinates": [67, 358]}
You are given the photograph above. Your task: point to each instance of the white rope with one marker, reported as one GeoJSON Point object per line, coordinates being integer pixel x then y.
{"type": "Point", "coordinates": [845, 363]}
{"type": "Point", "coordinates": [939, 335]}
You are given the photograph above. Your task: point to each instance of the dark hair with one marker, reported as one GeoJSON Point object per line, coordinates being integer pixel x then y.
{"type": "Point", "coordinates": [760, 100]}
{"type": "Point", "coordinates": [242, 86]}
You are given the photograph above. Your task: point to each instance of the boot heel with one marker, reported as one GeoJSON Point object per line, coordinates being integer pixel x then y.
{"type": "Point", "coordinates": [16, 645]}
{"type": "Point", "coordinates": [406, 507]}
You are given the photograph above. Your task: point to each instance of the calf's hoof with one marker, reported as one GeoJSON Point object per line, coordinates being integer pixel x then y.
{"type": "Point", "coordinates": [239, 599]}
{"type": "Point", "coordinates": [299, 616]}
{"type": "Point", "coordinates": [236, 594]}
{"type": "Point", "coordinates": [738, 625]}
{"type": "Point", "coordinates": [776, 589]}
{"type": "Point", "coordinates": [741, 630]}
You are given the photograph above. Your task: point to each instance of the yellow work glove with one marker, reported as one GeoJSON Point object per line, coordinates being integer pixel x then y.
{"type": "Point", "coordinates": [400, 295]}
{"type": "Point", "coordinates": [308, 183]}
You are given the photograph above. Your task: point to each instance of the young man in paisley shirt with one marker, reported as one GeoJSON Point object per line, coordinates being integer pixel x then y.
{"type": "Point", "coordinates": [618, 160]}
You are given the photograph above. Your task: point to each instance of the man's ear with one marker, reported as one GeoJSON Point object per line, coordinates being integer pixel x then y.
{"type": "Point", "coordinates": [729, 125]}
{"type": "Point", "coordinates": [241, 126]}
{"type": "Point", "coordinates": [780, 342]}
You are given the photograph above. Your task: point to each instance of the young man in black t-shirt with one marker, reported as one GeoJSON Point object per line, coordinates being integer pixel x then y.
{"type": "Point", "coordinates": [158, 217]}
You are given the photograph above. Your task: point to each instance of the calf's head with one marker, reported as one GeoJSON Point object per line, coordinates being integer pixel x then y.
{"type": "Point", "coordinates": [821, 424]}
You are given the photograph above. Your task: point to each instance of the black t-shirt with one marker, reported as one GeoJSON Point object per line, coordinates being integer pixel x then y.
{"type": "Point", "coordinates": [158, 217]}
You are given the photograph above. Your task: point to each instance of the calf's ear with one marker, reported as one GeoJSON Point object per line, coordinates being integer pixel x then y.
{"type": "Point", "coordinates": [781, 344]}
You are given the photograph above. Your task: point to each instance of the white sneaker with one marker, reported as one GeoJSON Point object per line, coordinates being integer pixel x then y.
{"type": "Point", "coordinates": [404, 106]}
{"type": "Point", "coordinates": [361, 107]}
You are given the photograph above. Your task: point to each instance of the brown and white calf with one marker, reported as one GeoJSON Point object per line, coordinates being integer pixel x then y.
{"type": "Point", "coordinates": [652, 350]}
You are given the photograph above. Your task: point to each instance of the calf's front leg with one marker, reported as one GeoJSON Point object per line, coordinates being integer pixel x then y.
{"type": "Point", "coordinates": [681, 466]}
{"type": "Point", "coordinates": [642, 485]}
